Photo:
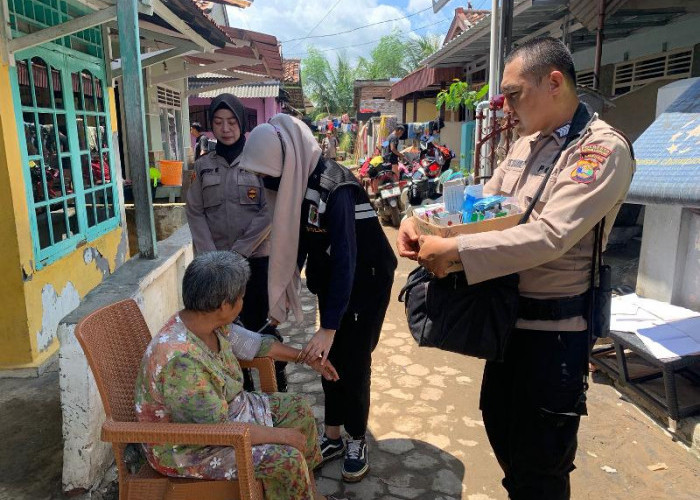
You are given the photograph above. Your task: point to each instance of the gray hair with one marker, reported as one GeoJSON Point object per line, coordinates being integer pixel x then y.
{"type": "Point", "coordinates": [213, 278]}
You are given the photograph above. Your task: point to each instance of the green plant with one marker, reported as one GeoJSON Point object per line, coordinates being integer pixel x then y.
{"type": "Point", "coordinates": [346, 141]}
{"type": "Point", "coordinates": [459, 95]}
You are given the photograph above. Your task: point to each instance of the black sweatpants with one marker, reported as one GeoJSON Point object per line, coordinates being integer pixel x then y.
{"type": "Point", "coordinates": [347, 400]}
{"type": "Point", "coordinates": [531, 405]}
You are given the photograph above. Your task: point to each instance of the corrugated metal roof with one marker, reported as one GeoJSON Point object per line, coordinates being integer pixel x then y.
{"type": "Point", "coordinates": [250, 91]}
{"type": "Point", "coordinates": [668, 155]}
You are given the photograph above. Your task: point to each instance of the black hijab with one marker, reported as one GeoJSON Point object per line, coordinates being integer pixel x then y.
{"type": "Point", "coordinates": [231, 102]}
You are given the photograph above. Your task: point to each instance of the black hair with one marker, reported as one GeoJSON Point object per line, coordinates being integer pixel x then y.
{"type": "Point", "coordinates": [400, 127]}
{"type": "Point", "coordinates": [197, 126]}
{"type": "Point", "coordinates": [542, 55]}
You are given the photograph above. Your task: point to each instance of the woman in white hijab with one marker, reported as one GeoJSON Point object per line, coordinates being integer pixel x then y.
{"type": "Point", "coordinates": [322, 218]}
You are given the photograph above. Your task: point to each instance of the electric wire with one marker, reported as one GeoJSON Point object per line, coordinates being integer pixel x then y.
{"type": "Point", "coordinates": [306, 37]}
{"type": "Point", "coordinates": [371, 41]}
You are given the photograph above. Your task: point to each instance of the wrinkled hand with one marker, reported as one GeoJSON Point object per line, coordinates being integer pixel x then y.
{"type": "Point", "coordinates": [295, 438]}
{"type": "Point", "coordinates": [439, 255]}
{"type": "Point", "coordinates": [318, 347]}
{"type": "Point", "coordinates": [407, 240]}
{"type": "Point", "coordinates": [327, 371]}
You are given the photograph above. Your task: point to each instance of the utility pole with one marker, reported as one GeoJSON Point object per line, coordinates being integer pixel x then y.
{"type": "Point", "coordinates": [494, 52]}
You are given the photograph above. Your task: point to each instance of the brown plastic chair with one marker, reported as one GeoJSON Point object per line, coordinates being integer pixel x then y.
{"type": "Point", "coordinates": [114, 339]}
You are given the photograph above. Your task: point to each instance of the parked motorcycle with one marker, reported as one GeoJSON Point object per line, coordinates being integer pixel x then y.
{"type": "Point", "coordinates": [388, 200]}
{"type": "Point", "coordinates": [423, 185]}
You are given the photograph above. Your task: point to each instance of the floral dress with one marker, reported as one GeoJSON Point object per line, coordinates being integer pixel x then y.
{"type": "Point", "coordinates": [182, 380]}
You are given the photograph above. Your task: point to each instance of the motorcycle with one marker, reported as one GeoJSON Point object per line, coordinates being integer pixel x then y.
{"type": "Point", "coordinates": [388, 200]}
{"type": "Point", "coordinates": [423, 185]}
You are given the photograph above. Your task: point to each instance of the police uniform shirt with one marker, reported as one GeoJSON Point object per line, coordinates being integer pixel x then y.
{"type": "Point", "coordinates": [552, 252]}
{"type": "Point", "coordinates": [226, 208]}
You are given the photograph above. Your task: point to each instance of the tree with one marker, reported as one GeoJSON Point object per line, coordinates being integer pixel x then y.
{"type": "Point", "coordinates": [459, 94]}
{"type": "Point", "coordinates": [418, 47]}
{"type": "Point", "coordinates": [329, 88]}
{"type": "Point", "coordinates": [387, 59]}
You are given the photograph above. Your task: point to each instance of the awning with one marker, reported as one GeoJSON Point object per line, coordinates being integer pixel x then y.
{"type": "Point", "coordinates": [668, 155]}
{"type": "Point", "coordinates": [529, 16]}
{"type": "Point", "coordinates": [249, 91]}
{"type": "Point", "coordinates": [422, 79]}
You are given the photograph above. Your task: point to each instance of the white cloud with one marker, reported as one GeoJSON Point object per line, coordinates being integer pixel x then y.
{"type": "Point", "coordinates": [290, 19]}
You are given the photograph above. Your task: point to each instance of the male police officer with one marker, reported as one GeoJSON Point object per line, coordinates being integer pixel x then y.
{"type": "Point", "coordinates": [532, 402]}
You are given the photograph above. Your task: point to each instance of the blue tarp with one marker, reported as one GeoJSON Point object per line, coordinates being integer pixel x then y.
{"type": "Point", "coordinates": [668, 155]}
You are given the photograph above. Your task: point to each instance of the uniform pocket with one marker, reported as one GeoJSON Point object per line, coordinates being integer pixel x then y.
{"type": "Point", "coordinates": [212, 192]}
{"type": "Point", "coordinates": [510, 179]}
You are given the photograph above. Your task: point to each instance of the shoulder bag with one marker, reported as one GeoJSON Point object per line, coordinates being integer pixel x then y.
{"type": "Point", "coordinates": [475, 320]}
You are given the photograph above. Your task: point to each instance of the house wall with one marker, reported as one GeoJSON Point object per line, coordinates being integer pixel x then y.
{"type": "Point", "coordinates": [155, 285]}
{"type": "Point", "coordinates": [426, 110]}
{"type": "Point", "coordinates": [34, 301]}
{"type": "Point", "coordinates": [680, 34]}
{"type": "Point", "coordinates": [669, 263]}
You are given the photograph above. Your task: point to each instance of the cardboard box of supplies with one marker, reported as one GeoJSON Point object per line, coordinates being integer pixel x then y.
{"type": "Point", "coordinates": [497, 224]}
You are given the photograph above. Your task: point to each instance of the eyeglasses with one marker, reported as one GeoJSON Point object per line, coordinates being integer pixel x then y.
{"type": "Point", "coordinates": [279, 136]}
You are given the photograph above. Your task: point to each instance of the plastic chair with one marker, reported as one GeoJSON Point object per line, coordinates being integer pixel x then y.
{"type": "Point", "coordinates": [114, 339]}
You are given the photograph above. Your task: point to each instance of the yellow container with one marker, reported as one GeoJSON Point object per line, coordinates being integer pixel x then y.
{"type": "Point", "coordinates": [170, 172]}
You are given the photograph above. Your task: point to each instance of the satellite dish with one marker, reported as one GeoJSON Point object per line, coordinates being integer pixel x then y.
{"type": "Point", "coordinates": [439, 4]}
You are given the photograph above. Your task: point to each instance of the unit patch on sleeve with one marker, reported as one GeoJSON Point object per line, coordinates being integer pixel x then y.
{"type": "Point", "coordinates": [595, 152]}
{"type": "Point", "coordinates": [585, 171]}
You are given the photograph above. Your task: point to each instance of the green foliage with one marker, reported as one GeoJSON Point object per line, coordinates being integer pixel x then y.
{"type": "Point", "coordinates": [346, 141]}
{"type": "Point", "coordinates": [459, 95]}
{"type": "Point", "coordinates": [387, 59]}
{"type": "Point", "coordinates": [419, 48]}
{"type": "Point", "coordinates": [329, 88]}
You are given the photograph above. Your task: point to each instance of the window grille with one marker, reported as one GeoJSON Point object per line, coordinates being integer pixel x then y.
{"type": "Point", "coordinates": [630, 75]}
{"type": "Point", "coordinates": [29, 16]}
{"type": "Point", "coordinates": [585, 78]}
{"type": "Point", "coordinates": [63, 120]}
{"type": "Point", "coordinates": [168, 97]}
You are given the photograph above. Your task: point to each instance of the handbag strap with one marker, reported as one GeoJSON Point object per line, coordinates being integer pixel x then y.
{"type": "Point", "coordinates": [579, 123]}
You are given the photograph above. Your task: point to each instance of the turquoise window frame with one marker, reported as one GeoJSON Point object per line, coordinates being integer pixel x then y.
{"type": "Point", "coordinates": [68, 61]}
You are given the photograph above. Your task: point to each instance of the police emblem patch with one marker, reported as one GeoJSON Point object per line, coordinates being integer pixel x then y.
{"type": "Point", "coordinates": [585, 171]}
{"type": "Point", "coordinates": [313, 215]}
{"type": "Point", "coordinates": [252, 193]}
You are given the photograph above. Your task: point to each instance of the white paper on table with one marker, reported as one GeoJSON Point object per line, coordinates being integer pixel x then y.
{"type": "Point", "coordinates": [668, 331]}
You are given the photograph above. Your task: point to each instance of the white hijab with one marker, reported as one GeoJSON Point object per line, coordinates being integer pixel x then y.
{"type": "Point", "coordinates": [262, 154]}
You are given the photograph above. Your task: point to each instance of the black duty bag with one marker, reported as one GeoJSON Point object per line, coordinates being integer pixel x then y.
{"type": "Point", "coordinates": [451, 315]}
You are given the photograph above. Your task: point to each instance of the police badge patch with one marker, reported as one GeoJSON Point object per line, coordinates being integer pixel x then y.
{"type": "Point", "coordinates": [585, 171]}
{"type": "Point", "coordinates": [252, 194]}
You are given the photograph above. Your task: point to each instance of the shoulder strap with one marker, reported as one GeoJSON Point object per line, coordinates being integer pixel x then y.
{"type": "Point", "coordinates": [579, 124]}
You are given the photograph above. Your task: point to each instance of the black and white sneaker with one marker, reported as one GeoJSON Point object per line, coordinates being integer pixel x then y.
{"type": "Point", "coordinates": [356, 464]}
{"type": "Point", "coordinates": [331, 448]}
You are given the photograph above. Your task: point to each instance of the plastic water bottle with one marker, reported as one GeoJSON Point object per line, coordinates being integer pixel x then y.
{"type": "Point", "coordinates": [471, 195]}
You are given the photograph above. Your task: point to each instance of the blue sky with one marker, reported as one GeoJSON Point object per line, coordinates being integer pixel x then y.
{"type": "Point", "coordinates": [293, 19]}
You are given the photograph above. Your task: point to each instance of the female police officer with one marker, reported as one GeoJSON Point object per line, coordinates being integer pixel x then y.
{"type": "Point", "coordinates": [322, 218]}
{"type": "Point", "coordinates": [227, 210]}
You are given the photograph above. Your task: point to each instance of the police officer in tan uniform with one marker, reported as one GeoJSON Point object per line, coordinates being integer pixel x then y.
{"type": "Point", "coordinates": [227, 209]}
{"type": "Point", "coordinates": [532, 401]}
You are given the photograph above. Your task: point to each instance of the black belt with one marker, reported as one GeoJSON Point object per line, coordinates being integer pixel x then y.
{"type": "Point", "coordinates": [552, 309]}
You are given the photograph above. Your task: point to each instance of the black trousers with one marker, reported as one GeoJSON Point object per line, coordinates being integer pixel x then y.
{"type": "Point", "coordinates": [347, 400]}
{"type": "Point", "coordinates": [531, 405]}
{"type": "Point", "coordinates": [254, 315]}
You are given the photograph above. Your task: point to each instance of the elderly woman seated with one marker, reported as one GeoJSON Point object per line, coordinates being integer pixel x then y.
{"type": "Point", "coordinates": [190, 374]}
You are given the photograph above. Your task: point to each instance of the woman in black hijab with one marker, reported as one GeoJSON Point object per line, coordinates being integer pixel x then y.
{"type": "Point", "coordinates": [227, 210]}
